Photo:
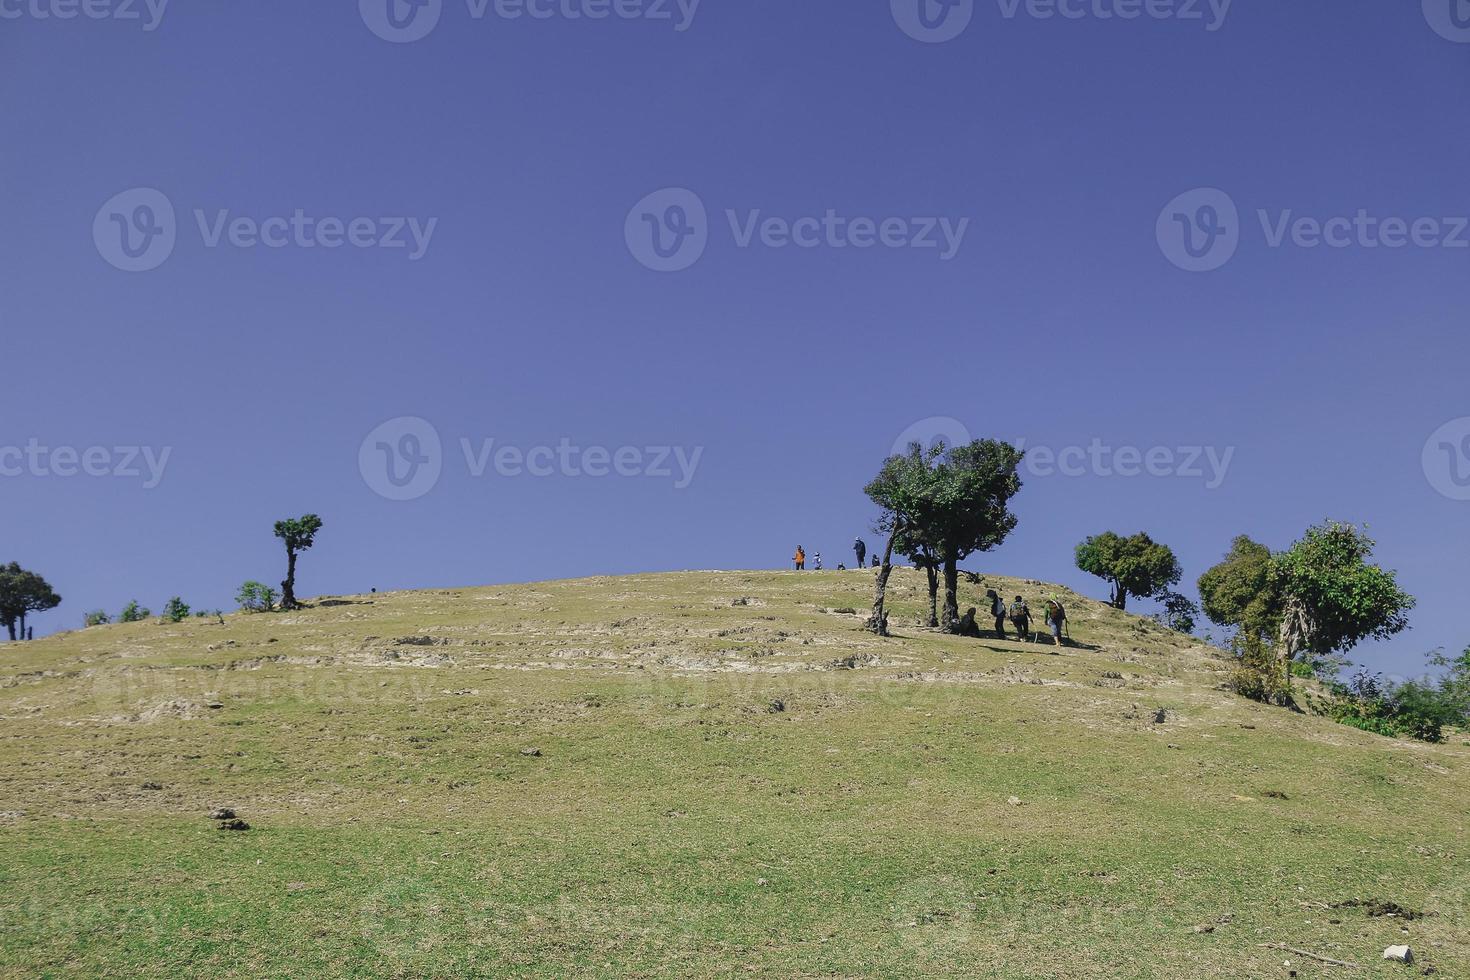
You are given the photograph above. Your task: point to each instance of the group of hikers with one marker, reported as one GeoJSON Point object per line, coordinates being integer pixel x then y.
{"type": "Point", "coordinates": [1017, 612]}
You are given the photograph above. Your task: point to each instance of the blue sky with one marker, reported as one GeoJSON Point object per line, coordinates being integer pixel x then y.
{"type": "Point", "coordinates": [530, 153]}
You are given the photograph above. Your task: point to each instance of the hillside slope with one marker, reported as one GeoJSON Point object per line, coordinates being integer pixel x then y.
{"type": "Point", "coordinates": [698, 774]}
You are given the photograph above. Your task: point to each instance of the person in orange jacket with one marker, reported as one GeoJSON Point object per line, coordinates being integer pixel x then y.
{"type": "Point", "coordinates": [800, 558]}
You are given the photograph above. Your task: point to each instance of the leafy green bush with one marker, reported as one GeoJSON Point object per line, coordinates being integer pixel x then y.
{"type": "Point", "coordinates": [256, 597]}
{"type": "Point", "coordinates": [97, 617]}
{"type": "Point", "coordinates": [175, 610]}
{"type": "Point", "coordinates": [1413, 709]}
{"type": "Point", "coordinates": [133, 613]}
{"type": "Point", "coordinates": [1257, 674]}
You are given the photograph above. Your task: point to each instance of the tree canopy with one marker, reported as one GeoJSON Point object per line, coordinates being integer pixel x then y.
{"type": "Point", "coordinates": [1136, 565]}
{"type": "Point", "coordinates": [23, 592]}
{"type": "Point", "coordinates": [1238, 591]}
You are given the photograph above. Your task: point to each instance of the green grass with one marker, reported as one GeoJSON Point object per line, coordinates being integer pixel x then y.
{"type": "Point", "coordinates": [676, 823]}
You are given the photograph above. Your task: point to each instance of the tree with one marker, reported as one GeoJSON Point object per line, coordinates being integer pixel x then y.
{"type": "Point", "coordinates": [133, 613]}
{"type": "Point", "coordinates": [1238, 592]}
{"type": "Point", "coordinates": [97, 617]}
{"type": "Point", "coordinates": [256, 597]}
{"type": "Point", "coordinates": [1331, 597]}
{"type": "Point", "coordinates": [298, 534]}
{"type": "Point", "coordinates": [1136, 566]}
{"type": "Point", "coordinates": [953, 503]}
{"type": "Point", "coordinates": [23, 592]}
{"type": "Point", "coordinates": [175, 610]}
{"type": "Point", "coordinates": [1179, 613]}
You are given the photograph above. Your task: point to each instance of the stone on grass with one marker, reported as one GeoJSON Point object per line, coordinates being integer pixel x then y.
{"type": "Point", "coordinates": [1399, 954]}
{"type": "Point", "coordinates": [222, 813]}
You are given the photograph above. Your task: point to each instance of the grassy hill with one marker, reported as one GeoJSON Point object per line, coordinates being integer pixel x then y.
{"type": "Point", "coordinates": [698, 774]}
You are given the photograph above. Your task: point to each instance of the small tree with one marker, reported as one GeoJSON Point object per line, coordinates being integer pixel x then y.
{"type": "Point", "coordinates": [97, 617]}
{"type": "Point", "coordinates": [1238, 592]}
{"type": "Point", "coordinates": [133, 613]}
{"type": "Point", "coordinates": [175, 610]}
{"type": "Point", "coordinates": [1135, 566]}
{"type": "Point", "coordinates": [23, 592]}
{"type": "Point", "coordinates": [1179, 612]}
{"type": "Point", "coordinates": [256, 597]}
{"type": "Point", "coordinates": [1332, 598]}
{"type": "Point", "coordinates": [298, 534]}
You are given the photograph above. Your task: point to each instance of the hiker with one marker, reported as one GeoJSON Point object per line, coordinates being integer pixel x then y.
{"type": "Point", "coordinates": [800, 558]}
{"type": "Point", "coordinates": [860, 548]}
{"type": "Point", "coordinates": [841, 567]}
{"type": "Point", "coordinates": [1021, 619]}
{"type": "Point", "coordinates": [875, 559]}
{"type": "Point", "coordinates": [1056, 618]}
{"type": "Point", "coordinates": [997, 612]}
{"type": "Point", "coordinates": [817, 566]}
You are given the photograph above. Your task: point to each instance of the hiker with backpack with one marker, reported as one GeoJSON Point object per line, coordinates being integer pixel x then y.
{"type": "Point", "coordinates": [860, 548]}
{"type": "Point", "coordinates": [800, 558]}
{"type": "Point", "coordinates": [818, 565]}
{"type": "Point", "coordinates": [997, 612]}
{"type": "Point", "coordinates": [1021, 619]}
{"type": "Point", "coordinates": [1056, 618]}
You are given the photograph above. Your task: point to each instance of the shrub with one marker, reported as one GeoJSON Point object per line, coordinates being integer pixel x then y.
{"type": "Point", "coordinates": [133, 613]}
{"type": "Point", "coordinates": [1414, 709]}
{"type": "Point", "coordinates": [1257, 673]}
{"type": "Point", "coordinates": [97, 617]}
{"type": "Point", "coordinates": [176, 610]}
{"type": "Point", "coordinates": [256, 597]}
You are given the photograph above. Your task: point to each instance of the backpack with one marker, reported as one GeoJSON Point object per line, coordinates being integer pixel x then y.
{"type": "Point", "coordinates": [1019, 610]}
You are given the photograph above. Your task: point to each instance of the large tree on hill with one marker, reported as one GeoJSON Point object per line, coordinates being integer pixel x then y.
{"type": "Point", "coordinates": [1238, 591]}
{"type": "Point", "coordinates": [1331, 597]}
{"type": "Point", "coordinates": [1137, 565]}
{"type": "Point", "coordinates": [298, 534]}
{"type": "Point", "coordinates": [23, 592]}
{"type": "Point", "coordinates": [953, 502]}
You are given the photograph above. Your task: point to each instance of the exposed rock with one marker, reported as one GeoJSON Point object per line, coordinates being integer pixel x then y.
{"type": "Point", "coordinates": [1399, 954]}
{"type": "Point", "coordinates": [235, 824]}
{"type": "Point", "coordinates": [534, 753]}
{"type": "Point", "coordinates": [222, 813]}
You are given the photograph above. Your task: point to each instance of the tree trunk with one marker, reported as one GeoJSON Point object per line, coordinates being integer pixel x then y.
{"type": "Point", "coordinates": [878, 622]}
{"type": "Point", "coordinates": [22, 625]}
{"type": "Point", "coordinates": [1296, 635]}
{"type": "Point", "coordinates": [10, 625]}
{"type": "Point", "coordinates": [933, 574]}
{"type": "Point", "coordinates": [1120, 596]}
{"type": "Point", "coordinates": [288, 587]}
{"type": "Point", "coordinates": [951, 621]}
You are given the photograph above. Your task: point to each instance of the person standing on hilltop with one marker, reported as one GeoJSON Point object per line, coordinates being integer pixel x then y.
{"type": "Point", "coordinates": [817, 565]}
{"type": "Point", "coordinates": [1056, 618]}
{"type": "Point", "coordinates": [1021, 619]}
{"type": "Point", "coordinates": [860, 548]}
{"type": "Point", "coordinates": [800, 558]}
{"type": "Point", "coordinates": [997, 612]}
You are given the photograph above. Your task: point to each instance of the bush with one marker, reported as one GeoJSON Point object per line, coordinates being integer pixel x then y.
{"type": "Point", "coordinates": [176, 610]}
{"type": "Point", "coordinates": [1257, 673]}
{"type": "Point", "coordinates": [1414, 709]}
{"type": "Point", "coordinates": [256, 597]}
{"type": "Point", "coordinates": [97, 617]}
{"type": "Point", "coordinates": [133, 613]}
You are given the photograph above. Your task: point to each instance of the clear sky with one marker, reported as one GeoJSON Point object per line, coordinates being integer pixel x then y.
{"type": "Point", "coordinates": [990, 202]}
